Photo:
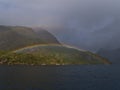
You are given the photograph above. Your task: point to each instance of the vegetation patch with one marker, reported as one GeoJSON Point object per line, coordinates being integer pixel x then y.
{"type": "Point", "coordinates": [50, 55]}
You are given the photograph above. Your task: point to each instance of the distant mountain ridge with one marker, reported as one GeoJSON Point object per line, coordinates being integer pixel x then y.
{"type": "Point", "coordinates": [91, 39]}
{"type": "Point", "coordinates": [113, 55]}
{"type": "Point", "coordinates": [108, 37]}
{"type": "Point", "coordinates": [13, 37]}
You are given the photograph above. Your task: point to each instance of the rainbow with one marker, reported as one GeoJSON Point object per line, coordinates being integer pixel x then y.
{"type": "Point", "coordinates": [37, 45]}
{"type": "Point", "coordinates": [70, 46]}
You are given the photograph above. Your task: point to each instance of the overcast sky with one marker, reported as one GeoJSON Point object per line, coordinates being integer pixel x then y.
{"type": "Point", "coordinates": [51, 12]}
{"type": "Point", "coordinates": [82, 16]}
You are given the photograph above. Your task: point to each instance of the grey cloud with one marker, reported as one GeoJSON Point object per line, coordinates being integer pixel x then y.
{"type": "Point", "coordinates": [55, 10]}
{"type": "Point", "coordinates": [72, 21]}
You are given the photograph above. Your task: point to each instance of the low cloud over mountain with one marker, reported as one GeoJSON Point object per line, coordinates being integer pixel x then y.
{"type": "Point", "coordinates": [75, 22]}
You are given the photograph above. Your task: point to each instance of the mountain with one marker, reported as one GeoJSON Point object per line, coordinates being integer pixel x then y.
{"type": "Point", "coordinates": [36, 46]}
{"type": "Point", "coordinates": [45, 35]}
{"type": "Point", "coordinates": [14, 37]}
{"type": "Point", "coordinates": [91, 38]}
{"type": "Point", "coordinates": [113, 55]}
{"type": "Point", "coordinates": [51, 54]}
{"type": "Point", "coordinates": [108, 36]}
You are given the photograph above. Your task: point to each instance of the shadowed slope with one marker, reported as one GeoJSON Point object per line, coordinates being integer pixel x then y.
{"type": "Point", "coordinates": [12, 38]}
{"type": "Point", "coordinates": [46, 36]}
{"type": "Point", "coordinates": [113, 55]}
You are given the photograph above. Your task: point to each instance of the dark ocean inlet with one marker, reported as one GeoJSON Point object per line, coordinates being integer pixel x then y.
{"type": "Point", "coordinates": [74, 77]}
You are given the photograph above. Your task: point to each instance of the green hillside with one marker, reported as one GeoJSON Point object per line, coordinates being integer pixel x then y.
{"type": "Point", "coordinates": [51, 55]}
{"type": "Point", "coordinates": [24, 45]}
{"type": "Point", "coordinates": [14, 37]}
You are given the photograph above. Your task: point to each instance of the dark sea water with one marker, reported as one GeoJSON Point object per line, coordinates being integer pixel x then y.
{"type": "Point", "coordinates": [80, 77]}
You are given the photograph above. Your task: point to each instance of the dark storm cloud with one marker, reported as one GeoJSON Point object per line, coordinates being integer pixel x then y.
{"type": "Point", "coordinates": [72, 21]}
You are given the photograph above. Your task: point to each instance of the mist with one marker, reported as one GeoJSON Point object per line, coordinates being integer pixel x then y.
{"type": "Point", "coordinates": [80, 23]}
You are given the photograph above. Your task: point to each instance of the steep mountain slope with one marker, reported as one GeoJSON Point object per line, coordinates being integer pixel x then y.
{"type": "Point", "coordinates": [12, 38]}
{"type": "Point", "coordinates": [45, 35]}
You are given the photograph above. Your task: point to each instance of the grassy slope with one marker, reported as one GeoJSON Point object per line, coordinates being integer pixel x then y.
{"type": "Point", "coordinates": [51, 55]}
